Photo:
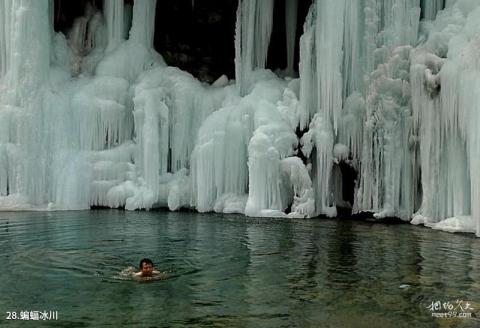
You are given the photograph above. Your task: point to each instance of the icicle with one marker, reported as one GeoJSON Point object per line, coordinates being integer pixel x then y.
{"type": "Point", "coordinates": [430, 8]}
{"type": "Point", "coordinates": [114, 16]}
{"type": "Point", "coordinates": [330, 69]}
{"type": "Point", "coordinates": [252, 38]}
{"type": "Point", "coordinates": [143, 24]}
{"type": "Point", "coordinates": [320, 137]}
{"type": "Point", "coordinates": [273, 140]}
{"type": "Point", "coordinates": [329, 46]}
{"type": "Point", "coordinates": [352, 125]}
{"type": "Point", "coordinates": [446, 112]}
{"type": "Point", "coordinates": [24, 62]}
{"type": "Point", "coordinates": [28, 68]}
{"type": "Point", "coordinates": [388, 160]}
{"type": "Point", "coordinates": [307, 69]}
{"type": "Point", "coordinates": [151, 127]}
{"type": "Point", "coordinates": [7, 12]}
{"type": "Point", "coordinates": [401, 22]}
{"type": "Point", "coordinates": [291, 8]}
{"type": "Point", "coordinates": [353, 48]}
{"type": "Point", "coordinates": [471, 87]}
{"type": "Point", "coordinates": [372, 29]}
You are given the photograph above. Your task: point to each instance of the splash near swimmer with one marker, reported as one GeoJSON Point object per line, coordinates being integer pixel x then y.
{"type": "Point", "coordinates": [147, 272]}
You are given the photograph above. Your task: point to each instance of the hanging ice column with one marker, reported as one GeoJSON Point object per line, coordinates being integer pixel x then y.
{"type": "Point", "coordinates": [388, 166]}
{"type": "Point", "coordinates": [430, 8]}
{"type": "Point", "coordinates": [331, 59]}
{"type": "Point", "coordinates": [151, 115]}
{"type": "Point", "coordinates": [471, 83]}
{"type": "Point", "coordinates": [6, 22]}
{"type": "Point", "coordinates": [24, 63]}
{"type": "Point", "coordinates": [447, 112]}
{"type": "Point", "coordinates": [321, 58]}
{"type": "Point", "coordinates": [252, 38]}
{"type": "Point", "coordinates": [143, 24]}
{"type": "Point", "coordinates": [114, 16]}
{"type": "Point", "coordinates": [25, 69]}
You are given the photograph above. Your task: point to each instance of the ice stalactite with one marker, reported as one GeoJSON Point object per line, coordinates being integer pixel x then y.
{"type": "Point", "coordinates": [114, 16]}
{"type": "Point", "coordinates": [329, 44]}
{"type": "Point", "coordinates": [388, 168]}
{"type": "Point", "coordinates": [219, 160]}
{"type": "Point", "coordinates": [7, 12]}
{"type": "Point", "coordinates": [353, 49]}
{"type": "Point", "coordinates": [351, 127]}
{"type": "Point", "coordinates": [272, 141]}
{"type": "Point", "coordinates": [430, 8]}
{"type": "Point", "coordinates": [151, 128]}
{"type": "Point", "coordinates": [401, 19]}
{"type": "Point", "coordinates": [307, 69]}
{"type": "Point", "coordinates": [321, 136]}
{"type": "Point", "coordinates": [27, 69]}
{"type": "Point", "coordinates": [252, 38]}
{"type": "Point", "coordinates": [373, 12]}
{"type": "Point", "coordinates": [330, 54]}
{"type": "Point", "coordinates": [291, 11]}
{"type": "Point", "coordinates": [143, 23]}
{"type": "Point", "coordinates": [100, 108]}
{"type": "Point", "coordinates": [472, 86]}
{"type": "Point", "coordinates": [446, 113]}
{"type": "Point", "coordinates": [354, 70]}
{"type": "Point", "coordinates": [24, 62]}
{"type": "Point", "coordinates": [388, 158]}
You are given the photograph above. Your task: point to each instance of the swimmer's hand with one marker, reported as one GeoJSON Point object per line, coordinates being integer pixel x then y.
{"type": "Point", "coordinates": [156, 275]}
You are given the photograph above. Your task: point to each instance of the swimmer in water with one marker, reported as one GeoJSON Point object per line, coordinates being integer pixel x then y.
{"type": "Point", "coordinates": [148, 272]}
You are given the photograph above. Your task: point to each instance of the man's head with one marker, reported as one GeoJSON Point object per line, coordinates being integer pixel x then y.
{"type": "Point", "coordinates": [146, 267]}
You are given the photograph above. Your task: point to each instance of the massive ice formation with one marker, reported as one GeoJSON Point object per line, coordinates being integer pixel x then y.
{"type": "Point", "coordinates": [386, 88]}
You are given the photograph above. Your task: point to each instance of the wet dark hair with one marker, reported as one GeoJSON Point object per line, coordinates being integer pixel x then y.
{"type": "Point", "coordinates": [145, 260]}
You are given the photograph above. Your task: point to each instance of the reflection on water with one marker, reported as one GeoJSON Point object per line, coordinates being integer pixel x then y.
{"type": "Point", "coordinates": [231, 271]}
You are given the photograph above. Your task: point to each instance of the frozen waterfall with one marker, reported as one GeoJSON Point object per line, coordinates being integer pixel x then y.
{"type": "Point", "coordinates": [386, 88]}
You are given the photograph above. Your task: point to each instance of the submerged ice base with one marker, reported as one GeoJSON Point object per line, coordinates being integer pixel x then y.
{"type": "Point", "coordinates": [96, 118]}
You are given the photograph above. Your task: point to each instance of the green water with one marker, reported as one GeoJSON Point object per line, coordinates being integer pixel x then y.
{"type": "Point", "coordinates": [232, 271]}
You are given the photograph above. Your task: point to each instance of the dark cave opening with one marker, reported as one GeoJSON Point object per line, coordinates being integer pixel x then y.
{"type": "Point", "coordinates": [200, 38]}
{"type": "Point", "coordinates": [65, 12]}
{"type": "Point", "coordinates": [349, 177]}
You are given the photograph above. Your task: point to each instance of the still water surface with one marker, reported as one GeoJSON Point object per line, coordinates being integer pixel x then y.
{"type": "Point", "coordinates": [232, 271]}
